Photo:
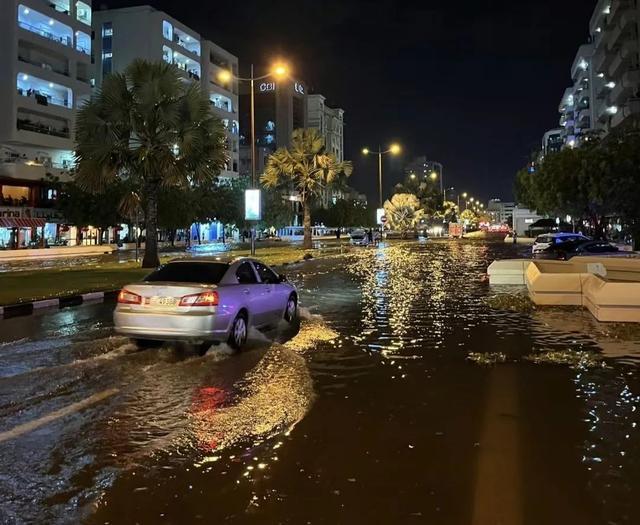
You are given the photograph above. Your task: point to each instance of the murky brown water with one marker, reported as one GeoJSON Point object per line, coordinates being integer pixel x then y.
{"type": "Point", "coordinates": [371, 413]}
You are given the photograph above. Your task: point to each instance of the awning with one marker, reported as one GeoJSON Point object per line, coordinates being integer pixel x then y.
{"type": "Point", "coordinates": [12, 222]}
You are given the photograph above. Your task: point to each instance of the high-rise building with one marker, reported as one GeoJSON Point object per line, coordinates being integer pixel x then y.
{"type": "Point", "coordinates": [422, 168]}
{"type": "Point", "coordinates": [615, 35]}
{"type": "Point", "coordinates": [605, 74]}
{"type": "Point", "coordinates": [552, 141]}
{"type": "Point", "coordinates": [499, 211]}
{"type": "Point", "coordinates": [329, 122]}
{"type": "Point", "coordinates": [122, 35]}
{"type": "Point", "coordinates": [45, 52]}
{"type": "Point", "coordinates": [280, 107]}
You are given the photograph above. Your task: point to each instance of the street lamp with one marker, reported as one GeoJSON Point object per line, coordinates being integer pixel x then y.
{"type": "Point", "coordinates": [278, 70]}
{"type": "Point", "coordinates": [394, 149]}
{"type": "Point", "coordinates": [225, 76]}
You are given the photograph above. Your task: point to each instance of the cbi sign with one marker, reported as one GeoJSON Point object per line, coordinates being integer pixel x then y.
{"type": "Point", "coordinates": [266, 87]}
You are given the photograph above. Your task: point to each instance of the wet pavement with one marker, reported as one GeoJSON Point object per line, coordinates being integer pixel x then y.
{"type": "Point", "coordinates": [402, 397]}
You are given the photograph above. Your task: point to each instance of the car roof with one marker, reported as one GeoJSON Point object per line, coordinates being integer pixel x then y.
{"type": "Point", "coordinates": [223, 259]}
{"type": "Point", "coordinates": [561, 234]}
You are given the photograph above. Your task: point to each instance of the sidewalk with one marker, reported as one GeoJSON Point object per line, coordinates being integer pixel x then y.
{"type": "Point", "coordinates": [17, 287]}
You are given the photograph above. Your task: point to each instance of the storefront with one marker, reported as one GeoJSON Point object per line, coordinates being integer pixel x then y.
{"type": "Point", "coordinates": [19, 232]}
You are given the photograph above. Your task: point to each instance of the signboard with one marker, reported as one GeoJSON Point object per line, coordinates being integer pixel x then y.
{"type": "Point", "coordinates": [25, 212]}
{"type": "Point", "coordinates": [252, 205]}
{"type": "Point", "coordinates": [265, 87]}
{"type": "Point", "coordinates": [298, 88]}
{"type": "Point", "coordinates": [455, 229]}
{"type": "Point", "coordinates": [379, 215]}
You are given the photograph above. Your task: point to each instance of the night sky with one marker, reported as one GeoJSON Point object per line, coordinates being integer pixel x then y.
{"type": "Point", "coordinates": [473, 84]}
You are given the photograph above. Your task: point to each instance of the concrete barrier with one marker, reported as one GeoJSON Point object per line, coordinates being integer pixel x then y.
{"type": "Point", "coordinates": [55, 252]}
{"type": "Point", "coordinates": [508, 271]}
{"type": "Point", "coordinates": [608, 287]}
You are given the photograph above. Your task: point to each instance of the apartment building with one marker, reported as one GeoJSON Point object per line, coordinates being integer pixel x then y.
{"type": "Point", "coordinates": [329, 122]}
{"type": "Point", "coordinates": [123, 35]}
{"type": "Point", "coordinates": [45, 52]}
{"type": "Point", "coordinates": [616, 61]}
{"type": "Point", "coordinates": [605, 74]}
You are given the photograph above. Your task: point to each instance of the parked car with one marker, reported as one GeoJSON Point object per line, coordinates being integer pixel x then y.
{"type": "Point", "coordinates": [359, 237]}
{"type": "Point", "coordinates": [203, 301]}
{"type": "Point", "coordinates": [567, 250]}
{"type": "Point", "coordinates": [543, 242]}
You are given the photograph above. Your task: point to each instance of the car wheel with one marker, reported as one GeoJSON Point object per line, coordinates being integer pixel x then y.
{"type": "Point", "coordinates": [147, 343]}
{"type": "Point", "coordinates": [238, 333]}
{"type": "Point", "coordinates": [291, 311]}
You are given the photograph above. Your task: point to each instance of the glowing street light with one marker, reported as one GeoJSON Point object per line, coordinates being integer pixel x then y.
{"type": "Point", "coordinates": [278, 70]}
{"type": "Point", "coordinates": [394, 149]}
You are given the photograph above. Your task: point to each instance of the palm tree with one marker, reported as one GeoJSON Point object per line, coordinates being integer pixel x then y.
{"type": "Point", "coordinates": [403, 212]}
{"type": "Point", "coordinates": [148, 127]}
{"type": "Point", "coordinates": [306, 168]}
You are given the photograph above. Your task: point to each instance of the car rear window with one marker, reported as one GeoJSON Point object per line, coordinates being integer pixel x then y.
{"type": "Point", "coordinates": [187, 272]}
{"type": "Point", "coordinates": [544, 239]}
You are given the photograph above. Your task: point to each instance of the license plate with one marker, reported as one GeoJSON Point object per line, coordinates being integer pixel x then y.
{"type": "Point", "coordinates": [164, 301]}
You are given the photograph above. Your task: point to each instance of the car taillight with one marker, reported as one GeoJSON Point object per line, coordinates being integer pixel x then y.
{"type": "Point", "coordinates": [200, 299]}
{"type": "Point", "coordinates": [127, 297]}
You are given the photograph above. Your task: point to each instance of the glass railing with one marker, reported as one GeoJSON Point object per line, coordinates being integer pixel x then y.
{"type": "Point", "coordinates": [62, 39]}
{"type": "Point", "coordinates": [44, 99]}
{"type": "Point", "coordinates": [38, 127]}
{"type": "Point", "coordinates": [44, 65]}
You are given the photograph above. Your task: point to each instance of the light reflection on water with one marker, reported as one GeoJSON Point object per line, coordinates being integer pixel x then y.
{"type": "Point", "coordinates": [227, 436]}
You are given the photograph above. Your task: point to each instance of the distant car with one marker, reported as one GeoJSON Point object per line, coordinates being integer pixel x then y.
{"type": "Point", "coordinates": [567, 250]}
{"type": "Point", "coordinates": [546, 240]}
{"type": "Point", "coordinates": [359, 238]}
{"type": "Point", "coordinates": [203, 301]}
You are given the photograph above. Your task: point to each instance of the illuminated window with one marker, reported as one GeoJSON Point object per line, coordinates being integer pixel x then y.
{"type": "Point", "coordinates": [167, 30]}
{"type": "Point", "coordinates": [83, 13]}
{"type": "Point", "coordinates": [42, 25]}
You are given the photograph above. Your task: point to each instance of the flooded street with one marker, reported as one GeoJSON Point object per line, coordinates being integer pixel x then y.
{"type": "Point", "coordinates": [402, 397]}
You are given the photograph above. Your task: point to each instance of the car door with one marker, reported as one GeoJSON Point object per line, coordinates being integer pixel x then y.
{"type": "Point", "coordinates": [252, 292]}
{"type": "Point", "coordinates": [275, 301]}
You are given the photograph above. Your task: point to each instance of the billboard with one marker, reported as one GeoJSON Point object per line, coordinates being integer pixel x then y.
{"type": "Point", "coordinates": [252, 205]}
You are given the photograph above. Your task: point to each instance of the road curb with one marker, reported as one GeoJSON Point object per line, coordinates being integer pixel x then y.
{"type": "Point", "coordinates": [21, 309]}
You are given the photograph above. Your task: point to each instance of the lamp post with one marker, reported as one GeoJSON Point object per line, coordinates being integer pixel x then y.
{"type": "Point", "coordinates": [434, 175]}
{"type": "Point", "coordinates": [278, 71]}
{"type": "Point", "coordinates": [464, 196]}
{"type": "Point", "coordinates": [394, 149]}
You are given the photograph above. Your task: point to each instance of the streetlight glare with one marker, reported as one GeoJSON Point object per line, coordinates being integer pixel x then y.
{"type": "Point", "coordinates": [413, 175]}
{"type": "Point", "coordinates": [434, 175]}
{"type": "Point", "coordinates": [464, 195]}
{"type": "Point", "coordinates": [225, 76]}
{"type": "Point", "coordinates": [395, 149]}
{"type": "Point", "coordinates": [365, 151]}
{"type": "Point", "coordinates": [280, 70]}
{"type": "Point", "coordinates": [471, 199]}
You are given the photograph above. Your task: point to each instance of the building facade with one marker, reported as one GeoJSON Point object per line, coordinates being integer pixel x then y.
{"type": "Point", "coordinates": [280, 107]}
{"type": "Point", "coordinates": [552, 141]}
{"type": "Point", "coordinates": [45, 52]}
{"type": "Point", "coordinates": [329, 122]}
{"type": "Point", "coordinates": [605, 74]}
{"type": "Point", "coordinates": [500, 212]}
{"type": "Point", "coordinates": [123, 35]}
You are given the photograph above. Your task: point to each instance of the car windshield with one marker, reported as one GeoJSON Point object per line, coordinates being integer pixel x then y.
{"type": "Point", "coordinates": [189, 272]}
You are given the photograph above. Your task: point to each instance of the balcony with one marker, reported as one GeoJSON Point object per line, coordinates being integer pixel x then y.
{"type": "Point", "coordinates": [221, 102]}
{"type": "Point", "coordinates": [621, 60]}
{"type": "Point", "coordinates": [602, 59]}
{"type": "Point", "coordinates": [61, 6]}
{"type": "Point", "coordinates": [83, 43]}
{"type": "Point", "coordinates": [619, 8]}
{"type": "Point", "coordinates": [44, 26]}
{"type": "Point", "coordinates": [44, 125]}
{"type": "Point", "coordinates": [42, 58]}
{"type": "Point", "coordinates": [43, 92]}
{"type": "Point", "coordinates": [629, 82]}
{"type": "Point", "coordinates": [622, 31]}
{"type": "Point", "coordinates": [186, 41]}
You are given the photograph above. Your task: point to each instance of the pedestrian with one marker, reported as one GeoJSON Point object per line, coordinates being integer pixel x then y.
{"type": "Point", "coordinates": [370, 236]}
{"type": "Point", "coordinates": [515, 237]}
{"type": "Point", "coordinates": [338, 233]}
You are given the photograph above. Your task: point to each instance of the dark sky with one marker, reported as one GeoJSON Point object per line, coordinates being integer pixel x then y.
{"type": "Point", "coordinates": [471, 83]}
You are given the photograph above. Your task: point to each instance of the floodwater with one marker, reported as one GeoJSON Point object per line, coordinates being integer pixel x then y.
{"type": "Point", "coordinates": [402, 397]}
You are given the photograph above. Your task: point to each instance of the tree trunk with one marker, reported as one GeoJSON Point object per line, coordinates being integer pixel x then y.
{"type": "Point", "coordinates": [151, 259]}
{"type": "Point", "coordinates": [306, 222]}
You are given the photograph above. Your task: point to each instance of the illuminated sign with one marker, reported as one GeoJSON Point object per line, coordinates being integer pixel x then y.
{"type": "Point", "coordinates": [252, 205]}
{"type": "Point", "coordinates": [267, 86]}
{"type": "Point", "coordinates": [298, 88]}
{"type": "Point", "coordinates": [379, 215]}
